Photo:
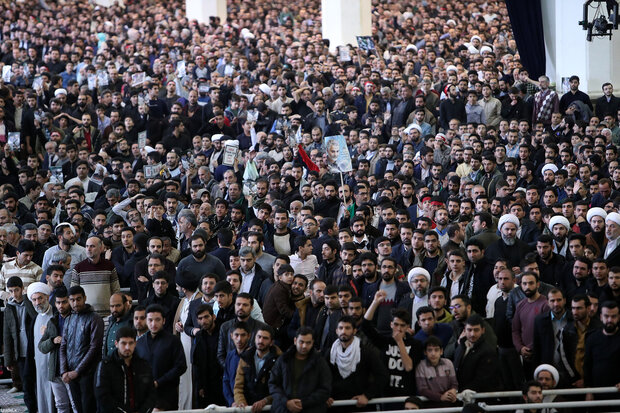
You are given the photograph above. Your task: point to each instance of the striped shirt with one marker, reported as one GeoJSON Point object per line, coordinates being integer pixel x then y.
{"type": "Point", "coordinates": [99, 282]}
{"type": "Point", "coordinates": [29, 273]}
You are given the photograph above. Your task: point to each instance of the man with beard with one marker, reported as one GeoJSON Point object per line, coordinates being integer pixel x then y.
{"type": "Point", "coordinates": [612, 291]}
{"type": "Point", "coordinates": [327, 320]}
{"type": "Point", "coordinates": [612, 232]}
{"type": "Point", "coordinates": [419, 281]}
{"type": "Point", "coordinates": [550, 264]}
{"type": "Point", "coordinates": [432, 259]}
{"type": "Point", "coordinates": [368, 283]}
{"type": "Point", "coordinates": [164, 297]}
{"type": "Point", "coordinates": [66, 235]}
{"type": "Point", "coordinates": [509, 246]}
{"type": "Point", "coordinates": [559, 227]}
{"type": "Point", "coordinates": [308, 308]}
{"type": "Point", "coordinates": [602, 355]}
{"type": "Point", "coordinates": [120, 316]}
{"type": "Point", "coordinates": [331, 263]}
{"type": "Point", "coordinates": [442, 220]}
{"type": "Point", "coordinates": [360, 238]}
{"type": "Point", "coordinates": [596, 238]}
{"type": "Point", "coordinates": [394, 292]}
{"type": "Point", "coordinates": [200, 262]}
{"type": "Point", "coordinates": [478, 276]}
{"type": "Point", "coordinates": [575, 281]}
{"type": "Point", "coordinates": [38, 294]}
{"type": "Point", "coordinates": [401, 251]}
{"type": "Point", "coordinates": [330, 204]}
{"type": "Point", "coordinates": [357, 371]}
{"type": "Point", "coordinates": [579, 329]}
{"type": "Point", "coordinates": [523, 320]}
{"type": "Point", "coordinates": [482, 226]}
{"type": "Point", "coordinates": [283, 237]}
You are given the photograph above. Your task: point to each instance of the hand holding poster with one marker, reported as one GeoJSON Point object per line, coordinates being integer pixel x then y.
{"type": "Point", "coordinates": [338, 157]}
{"type": "Point", "coordinates": [137, 79]}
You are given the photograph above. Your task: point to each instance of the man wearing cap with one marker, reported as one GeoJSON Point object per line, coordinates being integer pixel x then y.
{"type": "Point", "coordinates": [560, 227]}
{"type": "Point", "coordinates": [38, 294]}
{"type": "Point", "coordinates": [508, 246]}
{"type": "Point", "coordinates": [612, 232]}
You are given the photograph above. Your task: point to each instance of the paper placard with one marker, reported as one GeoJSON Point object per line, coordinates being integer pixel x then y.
{"type": "Point", "coordinates": [137, 79]}
{"type": "Point", "coordinates": [230, 154]}
{"type": "Point", "coordinates": [365, 43]}
{"type": "Point", "coordinates": [152, 171]}
{"type": "Point", "coordinates": [37, 83]}
{"type": "Point", "coordinates": [92, 82]}
{"type": "Point", "coordinates": [338, 157]}
{"type": "Point", "coordinates": [7, 73]}
{"type": "Point", "coordinates": [141, 140]}
{"type": "Point", "coordinates": [181, 69]}
{"type": "Point", "coordinates": [345, 55]}
{"type": "Point", "coordinates": [56, 174]}
{"type": "Point", "coordinates": [102, 77]}
{"type": "Point", "coordinates": [14, 141]}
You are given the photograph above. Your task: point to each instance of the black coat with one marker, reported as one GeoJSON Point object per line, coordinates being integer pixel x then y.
{"type": "Point", "coordinates": [165, 355]}
{"type": "Point", "coordinates": [111, 387]}
{"type": "Point", "coordinates": [544, 346]}
{"type": "Point", "coordinates": [513, 253]}
{"type": "Point", "coordinates": [478, 370]}
{"type": "Point", "coordinates": [313, 390]}
{"type": "Point", "coordinates": [207, 372]}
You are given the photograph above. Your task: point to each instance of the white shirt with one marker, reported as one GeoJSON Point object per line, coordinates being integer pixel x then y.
{"type": "Point", "coordinates": [306, 267]}
{"type": "Point", "coordinates": [246, 283]}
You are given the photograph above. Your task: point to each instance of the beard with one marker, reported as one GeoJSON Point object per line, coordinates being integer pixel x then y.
{"type": "Point", "coordinates": [420, 292]}
{"type": "Point", "coordinates": [369, 275]}
{"type": "Point", "coordinates": [41, 309]}
{"type": "Point", "coordinates": [610, 328]}
{"type": "Point", "coordinates": [198, 254]}
{"type": "Point", "coordinates": [509, 241]}
{"type": "Point", "coordinates": [529, 293]}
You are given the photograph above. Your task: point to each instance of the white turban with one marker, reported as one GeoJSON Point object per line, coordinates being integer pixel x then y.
{"type": "Point", "coordinates": [475, 37]}
{"type": "Point", "coordinates": [264, 88]}
{"type": "Point", "coordinates": [486, 49]}
{"type": "Point", "coordinates": [559, 219]}
{"type": "Point", "coordinates": [508, 218]}
{"type": "Point", "coordinates": [596, 211]}
{"type": "Point", "coordinates": [413, 126]}
{"type": "Point", "coordinates": [550, 166]}
{"type": "Point", "coordinates": [613, 217]}
{"type": "Point", "coordinates": [418, 271]}
{"type": "Point", "coordinates": [550, 369]}
{"type": "Point", "coordinates": [38, 287]}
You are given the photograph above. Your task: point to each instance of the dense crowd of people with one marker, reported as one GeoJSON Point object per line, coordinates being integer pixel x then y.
{"type": "Point", "coordinates": [177, 230]}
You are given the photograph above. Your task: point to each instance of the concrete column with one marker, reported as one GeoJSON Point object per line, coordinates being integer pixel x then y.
{"type": "Point", "coordinates": [343, 20]}
{"type": "Point", "coordinates": [201, 10]}
{"type": "Point", "coordinates": [569, 53]}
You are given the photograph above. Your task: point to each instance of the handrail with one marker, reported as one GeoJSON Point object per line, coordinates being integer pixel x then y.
{"type": "Point", "coordinates": [467, 396]}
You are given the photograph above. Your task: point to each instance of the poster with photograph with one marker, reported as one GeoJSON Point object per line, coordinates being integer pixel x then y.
{"type": "Point", "coordinates": [92, 82]}
{"type": "Point", "coordinates": [141, 140]}
{"type": "Point", "coordinates": [338, 157]}
{"type": "Point", "coordinates": [152, 171]}
{"type": "Point", "coordinates": [6, 73]}
{"type": "Point", "coordinates": [345, 54]}
{"type": "Point", "coordinates": [137, 79]}
{"type": "Point", "coordinates": [365, 43]}
{"type": "Point", "coordinates": [230, 154]}
{"type": "Point", "coordinates": [14, 141]}
{"type": "Point", "coordinates": [56, 174]}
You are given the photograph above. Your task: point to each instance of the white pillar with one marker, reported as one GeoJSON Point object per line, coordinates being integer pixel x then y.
{"type": "Point", "coordinates": [201, 10]}
{"type": "Point", "coordinates": [569, 53]}
{"type": "Point", "coordinates": [343, 20]}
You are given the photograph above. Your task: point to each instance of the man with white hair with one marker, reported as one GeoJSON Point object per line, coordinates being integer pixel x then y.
{"type": "Point", "coordinates": [612, 232]}
{"type": "Point", "coordinates": [596, 218]}
{"type": "Point", "coordinates": [508, 246]}
{"type": "Point", "coordinates": [559, 227]}
{"type": "Point", "coordinates": [38, 294]}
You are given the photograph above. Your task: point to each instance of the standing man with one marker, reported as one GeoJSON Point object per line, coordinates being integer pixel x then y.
{"type": "Point", "coordinates": [38, 294]}
{"type": "Point", "coordinates": [600, 366]}
{"type": "Point", "coordinates": [97, 276]}
{"type": "Point", "coordinates": [301, 379]}
{"type": "Point", "coordinates": [612, 232]}
{"type": "Point", "coordinates": [19, 318]}
{"type": "Point", "coordinates": [50, 344]}
{"type": "Point", "coordinates": [114, 391]}
{"type": "Point", "coordinates": [80, 350]}
{"type": "Point", "coordinates": [120, 309]}
{"type": "Point", "coordinates": [164, 353]}
{"type": "Point", "coordinates": [23, 267]}
{"type": "Point", "coordinates": [67, 237]}
{"type": "Point", "coordinates": [523, 321]}
{"type": "Point", "coordinates": [546, 102]}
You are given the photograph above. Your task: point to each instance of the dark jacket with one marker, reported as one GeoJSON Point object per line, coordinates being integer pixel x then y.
{"type": "Point", "coordinates": [170, 302]}
{"type": "Point", "coordinates": [323, 342]}
{"type": "Point", "coordinates": [225, 344]}
{"type": "Point", "coordinates": [278, 308]}
{"type": "Point", "coordinates": [545, 348]}
{"type": "Point", "coordinates": [259, 276]}
{"type": "Point", "coordinates": [111, 386]}
{"type": "Point", "coordinates": [11, 331]}
{"type": "Point", "coordinates": [46, 345]}
{"type": "Point", "coordinates": [207, 372]}
{"type": "Point", "coordinates": [370, 377]}
{"type": "Point", "coordinates": [82, 339]}
{"type": "Point", "coordinates": [313, 390]}
{"type": "Point", "coordinates": [109, 335]}
{"type": "Point", "coordinates": [164, 353]}
{"type": "Point", "coordinates": [251, 385]}
{"type": "Point", "coordinates": [512, 253]}
{"type": "Point", "coordinates": [478, 370]}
